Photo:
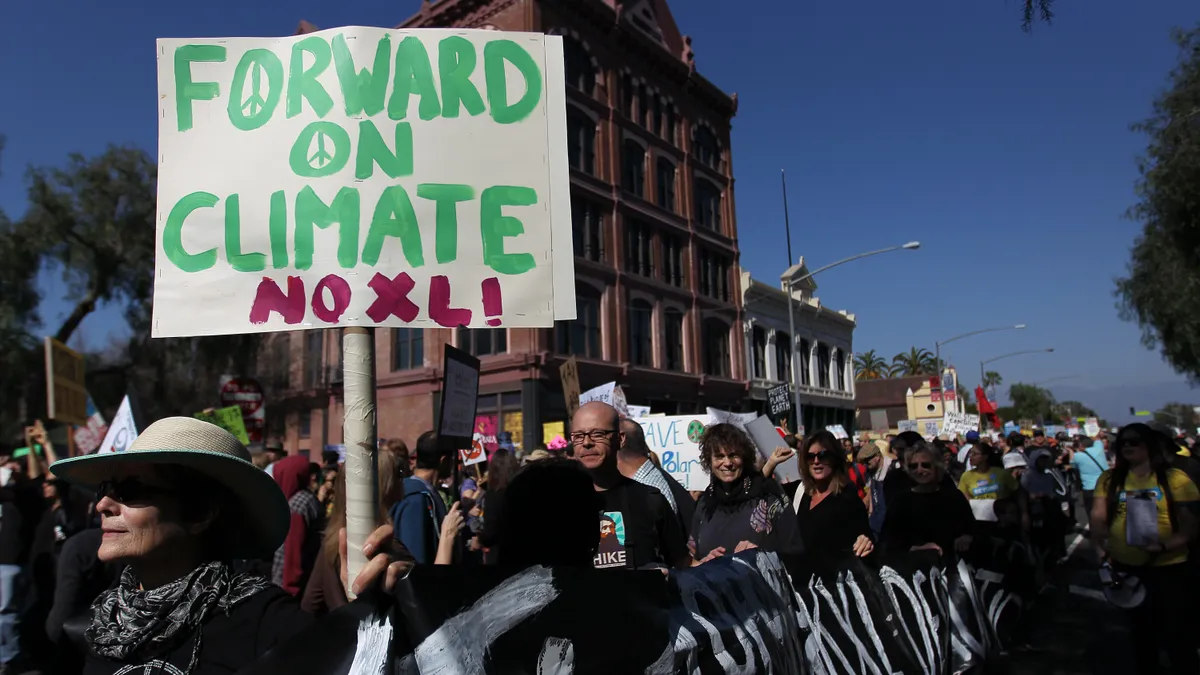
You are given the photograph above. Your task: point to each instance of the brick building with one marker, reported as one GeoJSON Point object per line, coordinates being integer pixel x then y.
{"type": "Point", "coordinates": [655, 238]}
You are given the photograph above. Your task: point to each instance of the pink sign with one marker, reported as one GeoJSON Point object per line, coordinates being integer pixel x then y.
{"type": "Point", "coordinates": [485, 432]}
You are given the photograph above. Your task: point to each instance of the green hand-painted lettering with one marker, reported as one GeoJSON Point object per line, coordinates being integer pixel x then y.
{"type": "Point", "coordinates": [241, 262]}
{"type": "Point", "coordinates": [456, 62]}
{"type": "Point", "coordinates": [186, 90]}
{"type": "Point", "coordinates": [447, 198]}
{"type": "Point", "coordinates": [494, 55]}
{"type": "Point", "coordinates": [494, 226]}
{"type": "Point", "coordinates": [322, 149]}
{"type": "Point", "coordinates": [173, 233]}
{"type": "Point", "coordinates": [373, 150]}
{"type": "Point", "coordinates": [310, 211]}
{"type": "Point", "coordinates": [365, 90]}
{"type": "Point", "coordinates": [394, 217]}
{"type": "Point", "coordinates": [413, 74]}
{"type": "Point", "coordinates": [303, 84]}
{"type": "Point", "coordinates": [249, 110]}
{"type": "Point", "coordinates": [277, 227]}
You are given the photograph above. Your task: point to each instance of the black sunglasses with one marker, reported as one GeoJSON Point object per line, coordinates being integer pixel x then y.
{"type": "Point", "coordinates": [824, 456]}
{"type": "Point", "coordinates": [129, 491]}
{"type": "Point", "coordinates": [913, 466]}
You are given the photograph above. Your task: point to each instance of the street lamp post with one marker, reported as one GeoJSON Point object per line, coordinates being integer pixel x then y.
{"type": "Point", "coordinates": [790, 279]}
{"type": "Point", "coordinates": [1005, 356]}
{"type": "Point", "coordinates": [937, 346]}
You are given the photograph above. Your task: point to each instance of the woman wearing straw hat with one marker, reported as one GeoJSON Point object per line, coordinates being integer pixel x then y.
{"type": "Point", "coordinates": [181, 503]}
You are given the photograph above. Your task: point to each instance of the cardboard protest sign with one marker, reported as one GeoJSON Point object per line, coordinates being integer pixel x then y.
{"type": "Point", "coordinates": [460, 395]}
{"type": "Point", "coordinates": [362, 177]}
{"type": "Point", "coordinates": [676, 440]}
{"type": "Point", "coordinates": [1091, 427]}
{"type": "Point", "coordinates": [779, 400]}
{"type": "Point", "coordinates": [122, 432]}
{"type": "Point", "coordinates": [930, 428]}
{"type": "Point", "coordinates": [767, 437]}
{"type": "Point", "coordinates": [229, 419]}
{"type": "Point", "coordinates": [569, 374]}
{"type": "Point", "coordinates": [906, 425]}
{"type": "Point", "coordinates": [89, 437]}
{"type": "Point", "coordinates": [838, 431]}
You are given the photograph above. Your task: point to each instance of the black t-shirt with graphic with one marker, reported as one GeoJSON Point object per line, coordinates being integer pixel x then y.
{"type": "Point", "coordinates": [638, 529]}
{"type": "Point", "coordinates": [228, 642]}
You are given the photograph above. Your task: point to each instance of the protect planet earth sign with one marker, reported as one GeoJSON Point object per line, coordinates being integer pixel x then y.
{"type": "Point", "coordinates": [362, 177]}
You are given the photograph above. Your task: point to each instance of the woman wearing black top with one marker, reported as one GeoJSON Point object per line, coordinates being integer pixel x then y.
{"type": "Point", "coordinates": [931, 515]}
{"type": "Point", "coordinates": [741, 509]}
{"type": "Point", "coordinates": [831, 518]}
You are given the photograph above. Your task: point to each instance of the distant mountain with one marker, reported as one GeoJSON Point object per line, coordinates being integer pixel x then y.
{"type": "Point", "coordinates": [1113, 402]}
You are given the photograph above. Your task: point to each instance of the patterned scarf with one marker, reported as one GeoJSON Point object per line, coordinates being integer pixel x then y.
{"type": "Point", "coordinates": [128, 623]}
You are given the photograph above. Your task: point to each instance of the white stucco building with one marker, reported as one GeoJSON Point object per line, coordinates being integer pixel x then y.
{"type": "Point", "coordinates": [823, 343]}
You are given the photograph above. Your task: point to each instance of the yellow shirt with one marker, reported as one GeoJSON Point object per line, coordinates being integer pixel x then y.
{"type": "Point", "coordinates": [1183, 490]}
{"type": "Point", "coordinates": [996, 483]}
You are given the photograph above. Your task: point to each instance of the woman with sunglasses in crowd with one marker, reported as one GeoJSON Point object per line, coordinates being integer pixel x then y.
{"type": "Point", "coordinates": [1143, 488]}
{"type": "Point", "coordinates": [931, 515]}
{"type": "Point", "coordinates": [832, 519]}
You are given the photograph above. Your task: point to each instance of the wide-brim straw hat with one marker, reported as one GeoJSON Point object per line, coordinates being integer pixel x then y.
{"type": "Point", "coordinates": [210, 450]}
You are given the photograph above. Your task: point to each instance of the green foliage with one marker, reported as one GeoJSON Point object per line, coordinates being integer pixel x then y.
{"type": "Point", "coordinates": [1178, 415]}
{"type": "Point", "coordinates": [1032, 402]}
{"type": "Point", "coordinates": [914, 362]}
{"type": "Point", "coordinates": [1036, 10]}
{"type": "Point", "coordinates": [92, 220]}
{"type": "Point", "coordinates": [1072, 410]}
{"type": "Point", "coordinates": [992, 379]}
{"type": "Point", "coordinates": [1162, 288]}
{"type": "Point", "coordinates": [870, 366]}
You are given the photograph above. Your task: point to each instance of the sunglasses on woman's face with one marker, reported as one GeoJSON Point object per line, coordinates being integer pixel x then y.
{"type": "Point", "coordinates": [129, 491]}
{"type": "Point", "coordinates": [913, 466]}
{"type": "Point", "coordinates": [824, 457]}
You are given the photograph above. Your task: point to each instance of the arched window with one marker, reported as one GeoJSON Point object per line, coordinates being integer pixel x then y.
{"type": "Point", "coordinates": [581, 337]}
{"type": "Point", "coordinates": [581, 141]}
{"type": "Point", "coordinates": [641, 340]}
{"type": "Point", "coordinates": [705, 148]}
{"type": "Point", "coordinates": [716, 347]}
{"type": "Point", "coordinates": [579, 70]}
{"type": "Point", "coordinates": [805, 362]}
{"type": "Point", "coordinates": [758, 340]}
{"type": "Point", "coordinates": [708, 204]}
{"type": "Point", "coordinates": [783, 357]}
{"type": "Point", "coordinates": [822, 366]}
{"type": "Point", "coordinates": [664, 179]}
{"type": "Point", "coordinates": [633, 168]}
{"type": "Point", "coordinates": [673, 340]}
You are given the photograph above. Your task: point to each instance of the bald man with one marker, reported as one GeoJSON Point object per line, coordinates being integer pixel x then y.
{"type": "Point", "coordinates": [633, 459]}
{"type": "Point", "coordinates": [645, 532]}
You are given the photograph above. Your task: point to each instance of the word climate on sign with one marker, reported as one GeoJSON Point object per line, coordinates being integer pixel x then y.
{"type": "Point", "coordinates": [362, 176]}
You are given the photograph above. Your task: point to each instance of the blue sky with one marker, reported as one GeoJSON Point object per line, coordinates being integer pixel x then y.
{"type": "Point", "coordinates": [1007, 155]}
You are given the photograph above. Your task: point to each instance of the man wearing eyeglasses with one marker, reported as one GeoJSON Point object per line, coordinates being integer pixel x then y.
{"type": "Point", "coordinates": [639, 529]}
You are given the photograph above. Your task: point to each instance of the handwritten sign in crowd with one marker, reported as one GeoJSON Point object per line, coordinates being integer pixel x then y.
{"type": "Point", "coordinates": [362, 176]}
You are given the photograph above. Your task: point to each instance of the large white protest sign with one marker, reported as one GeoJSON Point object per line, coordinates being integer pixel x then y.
{"type": "Point", "coordinates": [362, 176]}
{"type": "Point", "coordinates": [958, 424]}
{"type": "Point", "coordinates": [739, 420]}
{"type": "Point", "coordinates": [676, 439]}
{"type": "Point", "coordinates": [122, 431]}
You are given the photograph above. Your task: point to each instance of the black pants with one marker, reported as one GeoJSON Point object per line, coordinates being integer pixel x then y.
{"type": "Point", "coordinates": [1164, 621]}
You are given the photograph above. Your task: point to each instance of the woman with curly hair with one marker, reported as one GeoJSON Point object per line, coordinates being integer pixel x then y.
{"type": "Point", "coordinates": [741, 508]}
{"type": "Point", "coordinates": [832, 519]}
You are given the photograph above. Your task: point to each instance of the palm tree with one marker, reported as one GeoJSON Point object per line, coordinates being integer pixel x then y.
{"type": "Point", "coordinates": [870, 366]}
{"type": "Point", "coordinates": [1041, 8]}
{"type": "Point", "coordinates": [915, 362]}
{"type": "Point", "coordinates": [992, 379]}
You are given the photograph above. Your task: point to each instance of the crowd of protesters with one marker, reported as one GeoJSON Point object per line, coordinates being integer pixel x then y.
{"type": "Point", "coordinates": [190, 554]}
